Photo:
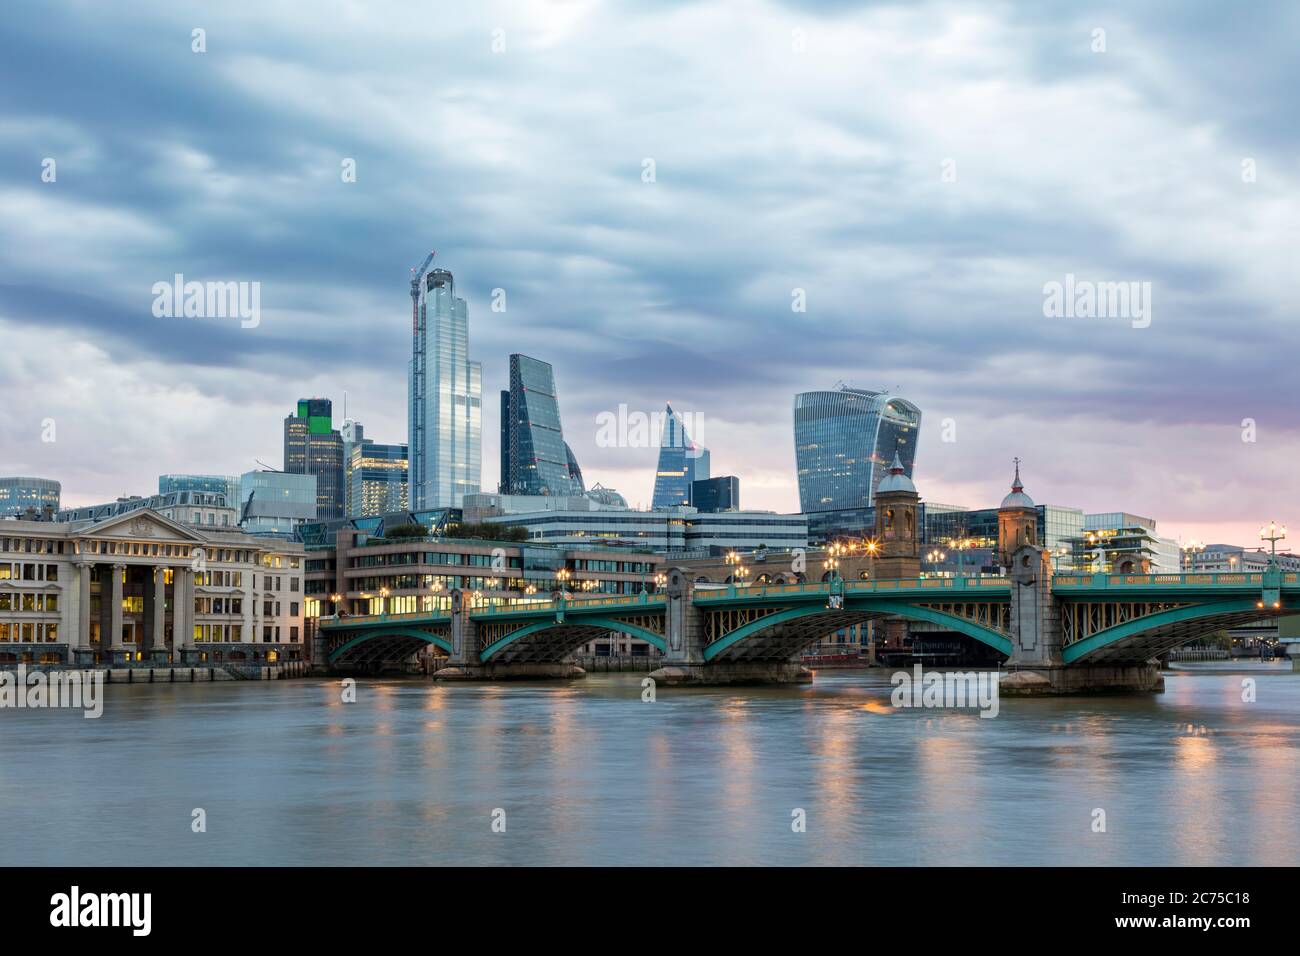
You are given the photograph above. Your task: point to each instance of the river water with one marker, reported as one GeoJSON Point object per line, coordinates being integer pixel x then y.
{"type": "Point", "coordinates": [589, 773]}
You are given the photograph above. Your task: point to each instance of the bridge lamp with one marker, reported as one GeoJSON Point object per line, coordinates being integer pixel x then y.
{"type": "Point", "coordinates": [660, 580]}
{"type": "Point", "coordinates": [1273, 533]}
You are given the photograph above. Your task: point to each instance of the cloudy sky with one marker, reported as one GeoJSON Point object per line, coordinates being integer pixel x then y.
{"type": "Point", "coordinates": [920, 170]}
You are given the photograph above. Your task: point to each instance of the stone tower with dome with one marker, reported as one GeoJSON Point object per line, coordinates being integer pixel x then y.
{"type": "Point", "coordinates": [1017, 521]}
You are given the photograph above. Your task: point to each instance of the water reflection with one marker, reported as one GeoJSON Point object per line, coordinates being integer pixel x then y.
{"type": "Point", "coordinates": [589, 773]}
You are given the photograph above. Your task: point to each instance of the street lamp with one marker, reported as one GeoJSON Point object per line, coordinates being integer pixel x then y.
{"type": "Point", "coordinates": [383, 601]}
{"type": "Point", "coordinates": [935, 556]}
{"type": "Point", "coordinates": [871, 547]}
{"type": "Point", "coordinates": [833, 566]}
{"type": "Point", "coordinates": [335, 599]}
{"type": "Point", "coordinates": [1273, 533]}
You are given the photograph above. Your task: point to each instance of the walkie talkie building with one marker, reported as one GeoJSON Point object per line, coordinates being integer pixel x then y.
{"type": "Point", "coordinates": [844, 441]}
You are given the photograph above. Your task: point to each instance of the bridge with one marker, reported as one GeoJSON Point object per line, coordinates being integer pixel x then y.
{"type": "Point", "coordinates": [1058, 633]}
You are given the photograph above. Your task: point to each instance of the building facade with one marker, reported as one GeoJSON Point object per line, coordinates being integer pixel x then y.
{"type": "Point", "coordinates": [138, 586]}
{"type": "Point", "coordinates": [535, 459]}
{"type": "Point", "coordinates": [445, 398]}
{"type": "Point", "coordinates": [227, 485]}
{"type": "Point", "coordinates": [716, 494]}
{"type": "Point", "coordinates": [28, 496]}
{"type": "Point", "coordinates": [377, 476]}
{"type": "Point", "coordinates": [312, 446]}
{"type": "Point", "coordinates": [682, 461]}
{"type": "Point", "coordinates": [844, 442]}
{"type": "Point", "coordinates": [198, 509]}
{"type": "Point", "coordinates": [277, 503]}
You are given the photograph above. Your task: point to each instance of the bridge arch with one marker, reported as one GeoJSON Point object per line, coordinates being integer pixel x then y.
{"type": "Point", "coordinates": [407, 640]}
{"type": "Point", "coordinates": [554, 639]}
{"type": "Point", "coordinates": [853, 613]}
{"type": "Point", "coordinates": [1151, 635]}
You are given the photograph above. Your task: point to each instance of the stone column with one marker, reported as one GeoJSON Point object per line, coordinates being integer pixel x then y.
{"type": "Point", "coordinates": [115, 608]}
{"type": "Point", "coordinates": [158, 641]}
{"type": "Point", "coordinates": [81, 638]}
{"type": "Point", "coordinates": [182, 612]}
{"type": "Point", "coordinates": [248, 635]}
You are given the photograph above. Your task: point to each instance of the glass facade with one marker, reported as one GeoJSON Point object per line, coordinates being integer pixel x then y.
{"type": "Point", "coordinates": [535, 459]}
{"type": "Point", "coordinates": [313, 447]}
{"type": "Point", "coordinates": [378, 476]}
{"type": "Point", "coordinates": [227, 485]}
{"type": "Point", "coordinates": [681, 462]}
{"type": "Point", "coordinates": [845, 441]}
{"type": "Point", "coordinates": [276, 502]}
{"type": "Point", "coordinates": [17, 494]}
{"type": "Point", "coordinates": [445, 392]}
{"type": "Point", "coordinates": [716, 494]}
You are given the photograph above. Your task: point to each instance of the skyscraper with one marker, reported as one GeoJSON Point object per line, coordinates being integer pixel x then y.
{"type": "Point", "coordinates": [377, 476]}
{"type": "Point", "coordinates": [681, 461]}
{"type": "Point", "coordinates": [844, 442]}
{"type": "Point", "coordinates": [312, 446]}
{"type": "Point", "coordinates": [535, 459]}
{"type": "Point", "coordinates": [445, 398]}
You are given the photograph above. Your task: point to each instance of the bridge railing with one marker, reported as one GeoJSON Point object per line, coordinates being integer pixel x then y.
{"type": "Point", "coordinates": [1187, 579]}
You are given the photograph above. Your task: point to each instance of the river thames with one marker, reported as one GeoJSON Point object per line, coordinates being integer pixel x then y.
{"type": "Point", "coordinates": [587, 773]}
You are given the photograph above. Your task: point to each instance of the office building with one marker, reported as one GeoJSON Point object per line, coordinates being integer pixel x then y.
{"type": "Point", "coordinates": [445, 396]}
{"type": "Point", "coordinates": [716, 494]}
{"type": "Point", "coordinates": [377, 475]}
{"type": "Point", "coordinates": [312, 446]}
{"type": "Point", "coordinates": [198, 509]}
{"type": "Point", "coordinates": [535, 459]}
{"type": "Point", "coordinates": [581, 520]}
{"type": "Point", "coordinates": [276, 503]}
{"type": "Point", "coordinates": [28, 497]}
{"type": "Point", "coordinates": [138, 586]}
{"type": "Point", "coordinates": [681, 462]}
{"type": "Point", "coordinates": [844, 442]}
{"type": "Point", "coordinates": [227, 485]}
{"type": "Point", "coordinates": [1229, 558]}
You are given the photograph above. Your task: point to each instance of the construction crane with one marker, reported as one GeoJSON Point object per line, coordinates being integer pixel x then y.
{"type": "Point", "coordinates": [416, 411]}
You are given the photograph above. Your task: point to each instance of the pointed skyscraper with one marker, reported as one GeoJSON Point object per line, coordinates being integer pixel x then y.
{"type": "Point", "coordinates": [681, 461]}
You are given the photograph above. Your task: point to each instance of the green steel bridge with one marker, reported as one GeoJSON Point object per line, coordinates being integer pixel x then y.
{"type": "Point", "coordinates": [1032, 618]}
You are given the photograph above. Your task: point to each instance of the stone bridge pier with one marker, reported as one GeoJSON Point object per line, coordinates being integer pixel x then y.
{"type": "Point", "coordinates": [464, 662]}
{"type": "Point", "coordinates": [684, 659]}
{"type": "Point", "coordinates": [1036, 666]}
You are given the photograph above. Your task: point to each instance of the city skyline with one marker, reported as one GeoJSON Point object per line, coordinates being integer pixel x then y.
{"type": "Point", "coordinates": [645, 292]}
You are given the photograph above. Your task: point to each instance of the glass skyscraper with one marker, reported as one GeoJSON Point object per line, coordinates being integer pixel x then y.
{"type": "Point", "coordinates": [844, 442]}
{"type": "Point", "coordinates": [681, 461]}
{"type": "Point", "coordinates": [377, 474]}
{"type": "Point", "coordinates": [445, 395]}
{"type": "Point", "coordinates": [312, 446]}
{"type": "Point", "coordinates": [535, 460]}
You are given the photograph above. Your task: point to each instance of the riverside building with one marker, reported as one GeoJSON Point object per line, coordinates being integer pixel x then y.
{"type": "Point", "coordinates": [138, 586]}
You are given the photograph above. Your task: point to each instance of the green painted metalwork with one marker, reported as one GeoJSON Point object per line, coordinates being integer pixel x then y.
{"type": "Point", "coordinates": [382, 632]}
{"type": "Point", "coordinates": [608, 624]}
{"type": "Point", "coordinates": [983, 634]}
{"type": "Point", "coordinates": [1150, 622]}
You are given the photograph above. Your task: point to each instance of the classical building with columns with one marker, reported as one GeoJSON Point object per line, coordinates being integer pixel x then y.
{"type": "Point", "coordinates": [140, 587]}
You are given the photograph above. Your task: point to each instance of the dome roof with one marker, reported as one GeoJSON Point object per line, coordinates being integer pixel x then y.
{"type": "Point", "coordinates": [895, 480]}
{"type": "Point", "coordinates": [1017, 498]}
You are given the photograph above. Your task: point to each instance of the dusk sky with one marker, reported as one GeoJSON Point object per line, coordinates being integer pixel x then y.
{"type": "Point", "coordinates": [920, 170]}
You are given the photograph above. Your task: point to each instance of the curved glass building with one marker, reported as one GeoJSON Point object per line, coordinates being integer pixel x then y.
{"type": "Point", "coordinates": [19, 494]}
{"type": "Point", "coordinates": [844, 442]}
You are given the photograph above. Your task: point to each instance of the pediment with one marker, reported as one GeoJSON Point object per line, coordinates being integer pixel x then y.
{"type": "Point", "coordinates": [144, 524]}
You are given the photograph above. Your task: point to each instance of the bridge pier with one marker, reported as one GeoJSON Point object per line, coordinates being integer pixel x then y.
{"type": "Point", "coordinates": [684, 662]}
{"type": "Point", "coordinates": [463, 663]}
{"type": "Point", "coordinates": [1036, 667]}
